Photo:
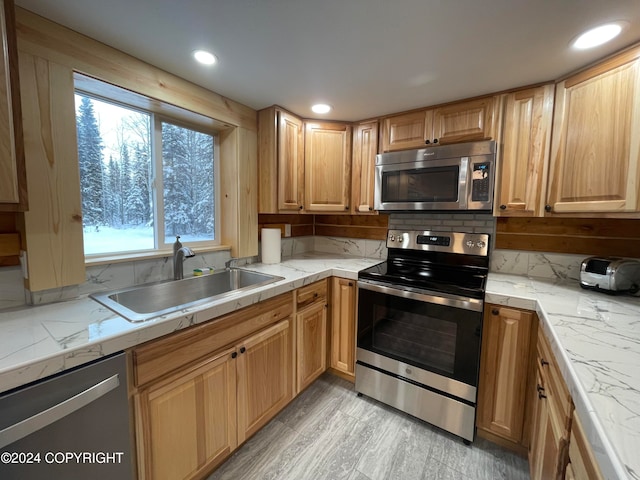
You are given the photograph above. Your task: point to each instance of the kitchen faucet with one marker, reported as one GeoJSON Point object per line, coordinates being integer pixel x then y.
{"type": "Point", "coordinates": [179, 254]}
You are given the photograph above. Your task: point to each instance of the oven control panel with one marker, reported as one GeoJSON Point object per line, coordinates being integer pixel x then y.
{"type": "Point", "coordinates": [451, 242]}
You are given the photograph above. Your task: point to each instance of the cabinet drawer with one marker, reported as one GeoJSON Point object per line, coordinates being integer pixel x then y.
{"type": "Point", "coordinates": [311, 293]}
{"type": "Point", "coordinates": [159, 357]}
{"type": "Point", "coordinates": [554, 385]}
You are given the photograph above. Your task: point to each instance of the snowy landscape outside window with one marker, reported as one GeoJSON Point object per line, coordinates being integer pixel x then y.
{"type": "Point", "coordinates": [143, 179]}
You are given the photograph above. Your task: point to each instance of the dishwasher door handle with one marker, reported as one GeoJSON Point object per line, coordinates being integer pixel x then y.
{"type": "Point", "coordinates": [45, 418]}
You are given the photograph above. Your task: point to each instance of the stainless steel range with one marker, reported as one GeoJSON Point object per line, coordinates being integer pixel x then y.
{"type": "Point", "coordinates": [420, 325]}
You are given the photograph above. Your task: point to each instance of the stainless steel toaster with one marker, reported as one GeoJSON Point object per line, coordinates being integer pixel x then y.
{"type": "Point", "coordinates": [610, 274]}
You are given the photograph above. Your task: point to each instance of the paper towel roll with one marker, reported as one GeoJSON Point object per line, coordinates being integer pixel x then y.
{"type": "Point", "coordinates": [271, 245]}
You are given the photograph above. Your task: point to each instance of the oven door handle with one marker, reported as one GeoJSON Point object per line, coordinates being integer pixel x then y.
{"type": "Point", "coordinates": [448, 301]}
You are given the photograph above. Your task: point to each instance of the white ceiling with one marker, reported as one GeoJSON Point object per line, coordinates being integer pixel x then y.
{"type": "Point", "coordinates": [365, 57]}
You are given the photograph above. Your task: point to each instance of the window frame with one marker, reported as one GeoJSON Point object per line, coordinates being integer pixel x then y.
{"type": "Point", "coordinates": [156, 184]}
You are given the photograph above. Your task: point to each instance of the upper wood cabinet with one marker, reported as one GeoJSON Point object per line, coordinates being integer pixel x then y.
{"type": "Point", "coordinates": [13, 184]}
{"type": "Point", "coordinates": [327, 170]}
{"type": "Point", "coordinates": [504, 371]}
{"type": "Point", "coordinates": [526, 139]}
{"type": "Point", "coordinates": [464, 121]}
{"type": "Point", "coordinates": [596, 139]}
{"type": "Point", "coordinates": [456, 122]}
{"type": "Point", "coordinates": [405, 131]}
{"type": "Point", "coordinates": [281, 161]}
{"type": "Point", "coordinates": [363, 163]}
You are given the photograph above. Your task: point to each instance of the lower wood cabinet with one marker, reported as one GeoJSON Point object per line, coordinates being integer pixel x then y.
{"type": "Point", "coordinates": [201, 392]}
{"type": "Point", "coordinates": [343, 326]}
{"type": "Point", "coordinates": [504, 372]}
{"type": "Point", "coordinates": [186, 423]}
{"type": "Point", "coordinates": [311, 333]}
{"type": "Point", "coordinates": [582, 463]}
{"type": "Point", "coordinates": [548, 452]}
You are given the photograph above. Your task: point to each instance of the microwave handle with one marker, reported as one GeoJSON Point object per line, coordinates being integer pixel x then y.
{"type": "Point", "coordinates": [463, 180]}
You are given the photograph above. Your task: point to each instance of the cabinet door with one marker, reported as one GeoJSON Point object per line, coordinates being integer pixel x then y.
{"type": "Point", "coordinates": [464, 121]}
{"type": "Point", "coordinates": [409, 130]}
{"type": "Point", "coordinates": [504, 371]}
{"type": "Point", "coordinates": [365, 148]}
{"type": "Point", "coordinates": [525, 154]}
{"type": "Point", "coordinates": [312, 343]}
{"type": "Point", "coordinates": [583, 462]}
{"type": "Point", "coordinates": [186, 424]}
{"type": "Point", "coordinates": [264, 377]}
{"type": "Point", "coordinates": [596, 139]}
{"type": "Point", "coordinates": [290, 162]}
{"type": "Point", "coordinates": [343, 325]}
{"type": "Point", "coordinates": [13, 195]}
{"type": "Point", "coordinates": [327, 157]}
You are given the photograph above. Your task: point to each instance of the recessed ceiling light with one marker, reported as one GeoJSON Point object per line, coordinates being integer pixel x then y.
{"type": "Point", "coordinates": [204, 57]}
{"type": "Point", "coordinates": [597, 36]}
{"type": "Point", "coordinates": [321, 108]}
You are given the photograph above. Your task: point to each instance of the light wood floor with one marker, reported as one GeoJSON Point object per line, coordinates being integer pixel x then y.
{"type": "Point", "coordinates": [328, 432]}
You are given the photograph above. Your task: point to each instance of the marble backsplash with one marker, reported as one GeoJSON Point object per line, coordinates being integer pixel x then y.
{"type": "Point", "coordinates": [537, 264]}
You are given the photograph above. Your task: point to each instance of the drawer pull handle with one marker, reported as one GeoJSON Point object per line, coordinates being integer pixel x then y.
{"type": "Point", "coordinates": [543, 362]}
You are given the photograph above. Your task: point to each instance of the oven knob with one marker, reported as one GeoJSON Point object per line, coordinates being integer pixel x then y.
{"type": "Point", "coordinates": [481, 244]}
{"type": "Point", "coordinates": [392, 238]}
{"type": "Point", "coordinates": [470, 244]}
{"type": "Point", "coordinates": [399, 239]}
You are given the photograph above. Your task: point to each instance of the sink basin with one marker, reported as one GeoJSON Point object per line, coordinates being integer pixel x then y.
{"type": "Point", "coordinates": [144, 302]}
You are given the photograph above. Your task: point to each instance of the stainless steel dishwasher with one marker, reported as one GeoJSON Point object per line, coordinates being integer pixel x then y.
{"type": "Point", "coordinates": [74, 425]}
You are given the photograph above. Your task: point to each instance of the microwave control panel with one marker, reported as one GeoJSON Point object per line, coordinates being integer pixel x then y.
{"type": "Point", "coordinates": [480, 182]}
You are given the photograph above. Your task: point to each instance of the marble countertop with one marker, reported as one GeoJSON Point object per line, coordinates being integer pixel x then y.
{"type": "Point", "coordinates": [596, 340]}
{"type": "Point", "coordinates": [36, 342]}
{"type": "Point", "coordinates": [595, 337]}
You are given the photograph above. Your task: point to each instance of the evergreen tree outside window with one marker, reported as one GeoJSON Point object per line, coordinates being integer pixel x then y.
{"type": "Point", "coordinates": [139, 189]}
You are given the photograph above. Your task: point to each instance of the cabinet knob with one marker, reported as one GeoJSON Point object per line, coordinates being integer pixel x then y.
{"type": "Point", "coordinates": [242, 349]}
{"type": "Point", "coordinates": [543, 362]}
{"type": "Point", "coordinates": [547, 208]}
{"type": "Point", "coordinates": [234, 354]}
{"type": "Point", "coordinates": [351, 284]}
{"type": "Point", "coordinates": [300, 207]}
{"type": "Point", "coordinates": [371, 209]}
{"type": "Point", "coordinates": [346, 207]}
{"type": "Point", "coordinates": [427, 141]}
{"type": "Point", "coordinates": [541, 394]}
{"type": "Point", "coordinates": [435, 140]}
{"type": "Point", "coordinates": [315, 295]}
{"type": "Point", "coordinates": [495, 311]}
{"type": "Point", "coordinates": [503, 207]}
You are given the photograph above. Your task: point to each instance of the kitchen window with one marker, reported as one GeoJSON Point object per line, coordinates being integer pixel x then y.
{"type": "Point", "coordinates": [144, 178]}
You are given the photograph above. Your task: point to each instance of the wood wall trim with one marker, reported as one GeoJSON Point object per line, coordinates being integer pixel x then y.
{"type": "Point", "coordinates": [42, 37]}
{"type": "Point", "coordinates": [370, 227]}
{"type": "Point", "coordinates": [588, 236]}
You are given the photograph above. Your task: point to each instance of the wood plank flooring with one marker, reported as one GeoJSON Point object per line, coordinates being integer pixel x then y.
{"type": "Point", "coordinates": [328, 432]}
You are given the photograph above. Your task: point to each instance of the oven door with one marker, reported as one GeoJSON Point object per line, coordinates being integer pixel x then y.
{"type": "Point", "coordinates": [441, 336]}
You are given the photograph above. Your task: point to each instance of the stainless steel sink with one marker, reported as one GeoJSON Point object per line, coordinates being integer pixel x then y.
{"type": "Point", "coordinates": [144, 302]}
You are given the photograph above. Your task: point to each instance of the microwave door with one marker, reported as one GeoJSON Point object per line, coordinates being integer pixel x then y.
{"type": "Point", "coordinates": [432, 185]}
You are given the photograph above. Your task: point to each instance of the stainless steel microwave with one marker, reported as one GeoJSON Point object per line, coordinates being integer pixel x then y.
{"type": "Point", "coordinates": [448, 177]}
